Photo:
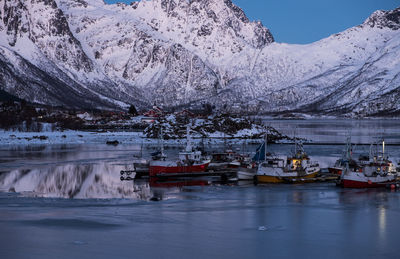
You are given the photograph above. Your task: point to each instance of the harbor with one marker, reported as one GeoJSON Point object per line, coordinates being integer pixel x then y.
{"type": "Point", "coordinates": [74, 195]}
{"type": "Point", "coordinates": [371, 170]}
{"type": "Point", "coordinates": [199, 129]}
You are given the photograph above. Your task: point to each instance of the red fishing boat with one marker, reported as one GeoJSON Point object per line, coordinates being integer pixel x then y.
{"type": "Point", "coordinates": [379, 172]}
{"type": "Point", "coordinates": [361, 180]}
{"type": "Point", "coordinates": [185, 164]}
{"type": "Point", "coordinates": [189, 161]}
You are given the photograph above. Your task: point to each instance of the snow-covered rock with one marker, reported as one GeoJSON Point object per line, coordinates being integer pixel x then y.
{"type": "Point", "coordinates": [217, 127]}
{"type": "Point", "coordinates": [85, 53]}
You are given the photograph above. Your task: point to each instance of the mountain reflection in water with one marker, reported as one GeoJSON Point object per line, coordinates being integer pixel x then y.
{"type": "Point", "coordinates": [80, 181]}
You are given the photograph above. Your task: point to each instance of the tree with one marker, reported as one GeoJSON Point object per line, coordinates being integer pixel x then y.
{"type": "Point", "coordinates": [132, 110]}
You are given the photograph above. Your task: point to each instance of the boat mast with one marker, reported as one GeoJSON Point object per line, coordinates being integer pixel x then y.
{"type": "Point", "coordinates": [188, 140]}
{"type": "Point", "coordinates": [265, 146]}
{"type": "Point", "coordinates": [346, 170]}
{"type": "Point", "coordinates": [347, 156]}
{"type": "Point", "coordinates": [370, 152]}
{"type": "Point", "coordinates": [348, 148]}
{"type": "Point", "coordinates": [295, 143]}
{"type": "Point", "coordinates": [162, 142]}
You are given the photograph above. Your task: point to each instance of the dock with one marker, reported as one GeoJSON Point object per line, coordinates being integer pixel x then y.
{"type": "Point", "coordinates": [226, 174]}
{"type": "Point", "coordinates": [132, 174]}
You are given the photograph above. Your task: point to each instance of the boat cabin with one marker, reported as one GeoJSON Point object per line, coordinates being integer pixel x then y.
{"type": "Point", "coordinates": [273, 162]}
{"type": "Point", "coordinates": [194, 156]}
{"type": "Point", "coordinates": [295, 163]}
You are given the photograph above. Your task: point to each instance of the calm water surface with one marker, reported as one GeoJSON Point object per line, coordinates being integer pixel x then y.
{"type": "Point", "coordinates": [70, 203]}
{"type": "Point", "coordinates": [362, 131]}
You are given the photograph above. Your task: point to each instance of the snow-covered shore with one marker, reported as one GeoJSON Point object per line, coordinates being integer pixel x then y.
{"type": "Point", "coordinates": [212, 130]}
{"type": "Point", "coordinates": [86, 137]}
{"type": "Point", "coordinates": [66, 137]}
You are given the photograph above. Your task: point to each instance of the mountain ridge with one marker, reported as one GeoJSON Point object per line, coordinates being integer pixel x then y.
{"type": "Point", "coordinates": [180, 53]}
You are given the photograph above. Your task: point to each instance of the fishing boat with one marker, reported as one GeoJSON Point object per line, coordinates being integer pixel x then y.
{"type": "Point", "coordinates": [248, 165]}
{"type": "Point", "coordinates": [189, 161]}
{"type": "Point", "coordinates": [247, 172]}
{"type": "Point", "coordinates": [221, 160]}
{"type": "Point", "coordinates": [241, 163]}
{"type": "Point", "coordinates": [370, 177]}
{"type": "Point", "coordinates": [378, 172]}
{"type": "Point", "coordinates": [295, 168]}
{"type": "Point", "coordinates": [345, 160]}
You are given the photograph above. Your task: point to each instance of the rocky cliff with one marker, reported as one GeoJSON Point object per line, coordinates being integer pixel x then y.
{"type": "Point", "coordinates": [84, 53]}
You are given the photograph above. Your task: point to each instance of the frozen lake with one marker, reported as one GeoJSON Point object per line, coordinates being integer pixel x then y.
{"type": "Point", "coordinates": [70, 203]}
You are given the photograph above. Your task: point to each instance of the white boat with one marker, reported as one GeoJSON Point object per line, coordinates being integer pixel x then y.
{"type": "Point", "coordinates": [246, 173]}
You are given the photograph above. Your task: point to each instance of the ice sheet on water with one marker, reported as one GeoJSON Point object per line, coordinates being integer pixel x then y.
{"type": "Point", "coordinates": [262, 228]}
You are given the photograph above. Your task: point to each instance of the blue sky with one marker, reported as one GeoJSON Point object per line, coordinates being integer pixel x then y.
{"type": "Point", "coordinates": [306, 21]}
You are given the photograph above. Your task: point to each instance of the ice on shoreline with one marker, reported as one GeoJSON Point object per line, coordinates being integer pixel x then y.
{"type": "Point", "coordinates": [86, 137]}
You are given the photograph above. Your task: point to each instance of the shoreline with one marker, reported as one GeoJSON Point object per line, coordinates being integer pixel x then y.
{"type": "Point", "coordinates": [8, 138]}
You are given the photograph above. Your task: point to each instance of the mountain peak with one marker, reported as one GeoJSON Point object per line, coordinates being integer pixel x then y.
{"type": "Point", "coordinates": [385, 19]}
{"type": "Point", "coordinates": [203, 17]}
{"type": "Point", "coordinates": [85, 53]}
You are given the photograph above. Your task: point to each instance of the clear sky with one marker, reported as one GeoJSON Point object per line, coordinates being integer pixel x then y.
{"type": "Point", "coordinates": [306, 21]}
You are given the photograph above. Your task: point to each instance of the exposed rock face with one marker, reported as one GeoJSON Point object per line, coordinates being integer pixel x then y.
{"type": "Point", "coordinates": [138, 54]}
{"type": "Point", "coordinates": [220, 126]}
{"type": "Point", "coordinates": [29, 82]}
{"type": "Point", "coordinates": [382, 19]}
{"type": "Point", "coordinates": [43, 61]}
{"type": "Point", "coordinates": [51, 34]}
{"type": "Point", "coordinates": [179, 52]}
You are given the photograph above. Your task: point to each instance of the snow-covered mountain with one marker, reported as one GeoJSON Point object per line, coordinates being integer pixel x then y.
{"type": "Point", "coordinates": [85, 53]}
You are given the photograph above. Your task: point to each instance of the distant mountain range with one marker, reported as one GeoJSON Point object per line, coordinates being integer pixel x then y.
{"type": "Point", "coordinates": [87, 54]}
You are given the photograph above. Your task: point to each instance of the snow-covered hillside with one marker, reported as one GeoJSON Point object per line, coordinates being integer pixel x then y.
{"type": "Point", "coordinates": [85, 53]}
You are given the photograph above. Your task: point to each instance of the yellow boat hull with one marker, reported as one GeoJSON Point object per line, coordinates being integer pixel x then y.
{"type": "Point", "coordinates": [283, 179]}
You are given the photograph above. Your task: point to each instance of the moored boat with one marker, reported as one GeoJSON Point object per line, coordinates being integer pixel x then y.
{"type": "Point", "coordinates": [189, 161]}
{"type": "Point", "coordinates": [182, 165]}
{"type": "Point", "coordinates": [247, 172]}
{"type": "Point", "coordinates": [345, 160]}
{"type": "Point", "coordinates": [378, 172]}
{"type": "Point", "coordinates": [360, 180]}
{"type": "Point", "coordinates": [226, 159]}
{"type": "Point", "coordinates": [296, 168]}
